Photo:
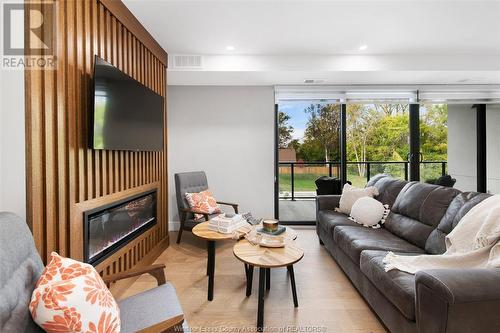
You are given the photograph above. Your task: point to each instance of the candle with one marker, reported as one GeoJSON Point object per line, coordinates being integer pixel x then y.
{"type": "Point", "coordinates": [270, 225]}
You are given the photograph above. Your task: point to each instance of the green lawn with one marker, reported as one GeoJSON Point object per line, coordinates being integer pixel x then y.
{"type": "Point", "coordinates": [302, 182]}
{"type": "Point", "coordinates": [305, 182]}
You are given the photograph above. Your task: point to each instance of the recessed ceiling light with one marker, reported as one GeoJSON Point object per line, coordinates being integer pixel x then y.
{"type": "Point", "coordinates": [314, 80]}
{"type": "Point", "coordinates": [363, 47]}
{"type": "Point", "coordinates": [229, 48]}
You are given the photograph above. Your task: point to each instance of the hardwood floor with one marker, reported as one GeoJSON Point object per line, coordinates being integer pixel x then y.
{"type": "Point", "coordinates": [327, 300]}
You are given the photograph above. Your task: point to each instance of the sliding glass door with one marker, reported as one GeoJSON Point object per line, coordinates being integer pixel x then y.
{"type": "Point", "coordinates": [389, 133]}
{"type": "Point", "coordinates": [433, 159]}
{"type": "Point", "coordinates": [377, 141]}
{"type": "Point", "coordinates": [308, 134]}
{"type": "Point", "coordinates": [449, 145]}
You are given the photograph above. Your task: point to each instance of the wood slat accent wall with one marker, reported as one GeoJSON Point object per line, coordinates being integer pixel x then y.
{"type": "Point", "coordinates": [65, 176]}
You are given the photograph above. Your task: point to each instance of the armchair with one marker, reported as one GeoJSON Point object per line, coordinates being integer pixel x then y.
{"type": "Point", "coordinates": [155, 310]}
{"type": "Point", "coordinates": [192, 182]}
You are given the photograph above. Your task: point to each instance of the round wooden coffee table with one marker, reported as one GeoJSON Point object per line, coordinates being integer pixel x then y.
{"type": "Point", "coordinates": [201, 230]}
{"type": "Point", "coordinates": [266, 258]}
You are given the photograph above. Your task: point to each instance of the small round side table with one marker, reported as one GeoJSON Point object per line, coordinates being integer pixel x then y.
{"type": "Point", "coordinates": [266, 258]}
{"type": "Point", "coordinates": [201, 230]}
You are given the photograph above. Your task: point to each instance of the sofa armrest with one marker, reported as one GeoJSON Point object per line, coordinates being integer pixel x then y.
{"type": "Point", "coordinates": [458, 300]}
{"type": "Point", "coordinates": [327, 202]}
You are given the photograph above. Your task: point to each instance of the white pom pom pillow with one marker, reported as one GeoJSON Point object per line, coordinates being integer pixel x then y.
{"type": "Point", "coordinates": [351, 194]}
{"type": "Point", "coordinates": [369, 212]}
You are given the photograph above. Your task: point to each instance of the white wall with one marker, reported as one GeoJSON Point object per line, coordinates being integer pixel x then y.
{"type": "Point", "coordinates": [462, 146]}
{"type": "Point", "coordinates": [493, 148]}
{"type": "Point", "coordinates": [12, 143]}
{"type": "Point", "coordinates": [228, 132]}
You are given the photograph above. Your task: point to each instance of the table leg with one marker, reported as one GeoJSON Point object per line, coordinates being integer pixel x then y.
{"type": "Point", "coordinates": [260, 310]}
{"type": "Point", "coordinates": [211, 268]}
{"type": "Point", "coordinates": [294, 289]}
{"type": "Point", "coordinates": [249, 279]}
{"type": "Point", "coordinates": [268, 278]}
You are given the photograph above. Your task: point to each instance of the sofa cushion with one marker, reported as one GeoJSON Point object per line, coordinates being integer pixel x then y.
{"type": "Point", "coordinates": [388, 188]}
{"type": "Point", "coordinates": [353, 240]}
{"type": "Point", "coordinates": [373, 180]}
{"type": "Point", "coordinates": [417, 211]}
{"type": "Point", "coordinates": [397, 286]}
{"type": "Point", "coordinates": [149, 308]}
{"type": "Point", "coordinates": [330, 219]}
{"type": "Point", "coordinates": [460, 205]}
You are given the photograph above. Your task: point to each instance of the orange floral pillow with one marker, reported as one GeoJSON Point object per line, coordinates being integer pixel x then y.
{"type": "Point", "coordinates": [70, 296]}
{"type": "Point", "coordinates": [202, 202]}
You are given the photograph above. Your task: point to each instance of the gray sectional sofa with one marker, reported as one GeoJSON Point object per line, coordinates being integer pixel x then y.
{"type": "Point", "coordinates": [438, 300]}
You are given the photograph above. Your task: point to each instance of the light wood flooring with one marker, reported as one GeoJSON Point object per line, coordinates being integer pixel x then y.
{"type": "Point", "coordinates": [327, 300]}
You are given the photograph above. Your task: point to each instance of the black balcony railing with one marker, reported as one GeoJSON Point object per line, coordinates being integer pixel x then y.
{"type": "Point", "coordinates": [313, 170]}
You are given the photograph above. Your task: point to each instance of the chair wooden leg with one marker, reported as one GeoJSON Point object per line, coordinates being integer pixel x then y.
{"type": "Point", "coordinates": [179, 235]}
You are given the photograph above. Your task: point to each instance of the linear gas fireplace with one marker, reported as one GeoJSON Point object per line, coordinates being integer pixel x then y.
{"type": "Point", "coordinates": [110, 227]}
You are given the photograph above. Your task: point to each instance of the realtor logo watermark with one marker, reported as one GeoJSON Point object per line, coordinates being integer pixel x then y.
{"type": "Point", "coordinates": [28, 35]}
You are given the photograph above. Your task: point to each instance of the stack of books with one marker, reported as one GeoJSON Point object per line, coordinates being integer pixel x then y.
{"type": "Point", "coordinates": [226, 225]}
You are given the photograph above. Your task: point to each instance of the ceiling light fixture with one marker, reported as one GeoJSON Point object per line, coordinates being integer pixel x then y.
{"type": "Point", "coordinates": [229, 48]}
{"type": "Point", "coordinates": [363, 47]}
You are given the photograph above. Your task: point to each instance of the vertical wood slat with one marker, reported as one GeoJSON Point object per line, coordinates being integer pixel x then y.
{"type": "Point", "coordinates": [109, 58]}
{"type": "Point", "coordinates": [62, 171]}
{"type": "Point", "coordinates": [103, 54]}
{"type": "Point", "coordinates": [80, 99]}
{"type": "Point", "coordinates": [96, 50]}
{"type": "Point", "coordinates": [71, 115]}
{"type": "Point", "coordinates": [62, 135]}
{"type": "Point", "coordinates": [88, 67]}
{"type": "Point", "coordinates": [35, 211]}
{"type": "Point", "coordinates": [114, 47]}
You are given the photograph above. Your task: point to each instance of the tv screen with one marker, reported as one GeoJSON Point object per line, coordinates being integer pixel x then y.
{"type": "Point", "coordinates": [127, 115]}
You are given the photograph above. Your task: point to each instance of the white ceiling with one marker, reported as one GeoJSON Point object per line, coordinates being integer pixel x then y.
{"type": "Point", "coordinates": [440, 30]}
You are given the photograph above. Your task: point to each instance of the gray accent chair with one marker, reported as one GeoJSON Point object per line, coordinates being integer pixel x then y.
{"type": "Point", "coordinates": [192, 182]}
{"type": "Point", "coordinates": [155, 310]}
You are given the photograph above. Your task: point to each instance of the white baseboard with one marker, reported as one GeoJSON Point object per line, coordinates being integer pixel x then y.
{"type": "Point", "coordinates": [173, 225]}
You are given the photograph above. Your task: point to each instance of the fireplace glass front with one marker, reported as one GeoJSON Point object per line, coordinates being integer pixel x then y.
{"type": "Point", "coordinates": [109, 228]}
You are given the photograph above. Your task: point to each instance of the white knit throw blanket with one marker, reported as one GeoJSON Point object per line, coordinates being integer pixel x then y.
{"type": "Point", "coordinates": [474, 243]}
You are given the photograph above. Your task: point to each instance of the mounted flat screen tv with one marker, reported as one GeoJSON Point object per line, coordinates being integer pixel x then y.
{"type": "Point", "coordinates": [127, 114]}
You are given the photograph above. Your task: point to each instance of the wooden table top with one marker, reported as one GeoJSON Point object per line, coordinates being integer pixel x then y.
{"type": "Point", "coordinates": [201, 230]}
{"type": "Point", "coordinates": [266, 257]}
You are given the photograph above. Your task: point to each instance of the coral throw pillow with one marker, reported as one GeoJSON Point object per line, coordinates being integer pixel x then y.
{"type": "Point", "coordinates": [351, 194]}
{"type": "Point", "coordinates": [70, 296]}
{"type": "Point", "coordinates": [202, 202]}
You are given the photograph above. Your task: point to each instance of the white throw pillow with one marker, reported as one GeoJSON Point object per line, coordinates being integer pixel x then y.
{"type": "Point", "coordinates": [369, 212]}
{"type": "Point", "coordinates": [351, 194]}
